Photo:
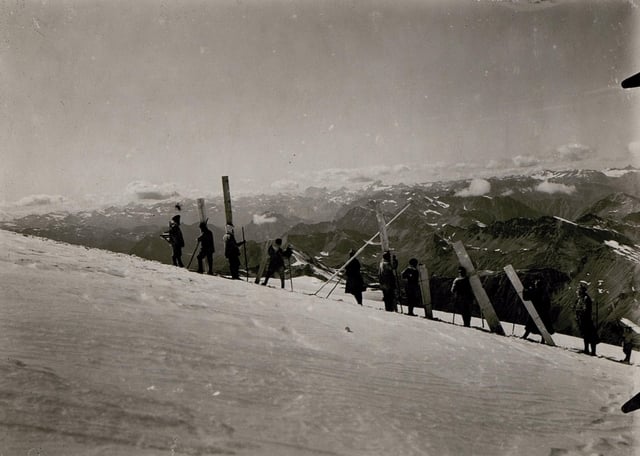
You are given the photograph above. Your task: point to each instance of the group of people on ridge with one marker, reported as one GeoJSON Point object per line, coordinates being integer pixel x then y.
{"type": "Point", "coordinates": [174, 236]}
{"type": "Point", "coordinates": [461, 290]}
{"type": "Point", "coordinates": [463, 299]}
{"type": "Point", "coordinates": [355, 284]}
{"type": "Point", "coordinates": [207, 248]}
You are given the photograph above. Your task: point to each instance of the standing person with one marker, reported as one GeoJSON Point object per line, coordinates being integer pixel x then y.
{"type": "Point", "coordinates": [276, 261]}
{"type": "Point", "coordinates": [174, 237]}
{"type": "Point", "coordinates": [583, 309]}
{"type": "Point", "coordinates": [206, 248]}
{"type": "Point", "coordinates": [232, 251]}
{"type": "Point", "coordinates": [355, 282]}
{"type": "Point", "coordinates": [627, 344]}
{"type": "Point", "coordinates": [463, 295]}
{"type": "Point", "coordinates": [388, 281]}
{"type": "Point", "coordinates": [539, 296]}
{"type": "Point", "coordinates": [412, 288]}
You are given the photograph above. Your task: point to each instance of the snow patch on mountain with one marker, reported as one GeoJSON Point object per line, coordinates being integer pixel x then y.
{"type": "Point", "coordinates": [631, 253]}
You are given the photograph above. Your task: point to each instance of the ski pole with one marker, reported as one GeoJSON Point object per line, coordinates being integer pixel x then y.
{"type": "Point", "coordinates": [334, 287]}
{"type": "Point", "coordinates": [290, 272]}
{"type": "Point", "coordinates": [596, 335]}
{"type": "Point", "coordinates": [193, 254]}
{"type": "Point", "coordinates": [246, 264]}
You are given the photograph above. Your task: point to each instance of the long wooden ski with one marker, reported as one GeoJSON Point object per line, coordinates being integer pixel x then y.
{"type": "Point", "coordinates": [517, 284]}
{"type": "Point", "coordinates": [425, 291]}
{"type": "Point", "coordinates": [263, 261]}
{"type": "Point", "coordinates": [476, 286]}
{"type": "Point", "coordinates": [382, 227]}
{"type": "Point", "coordinates": [384, 243]}
{"type": "Point", "coordinates": [228, 213]}
{"type": "Point", "coordinates": [202, 210]}
{"type": "Point", "coordinates": [634, 326]}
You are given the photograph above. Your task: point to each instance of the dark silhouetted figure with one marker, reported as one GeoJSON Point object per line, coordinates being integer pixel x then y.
{"type": "Point", "coordinates": [174, 237]}
{"type": "Point", "coordinates": [463, 295]}
{"type": "Point", "coordinates": [206, 248]}
{"type": "Point", "coordinates": [355, 282]}
{"type": "Point", "coordinates": [412, 287]}
{"type": "Point", "coordinates": [232, 251]}
{"type": "Point", "coordinates": [276, 261]}
{"type": "Point", "coordinates": [538, 294]}
{"type": "Point", "coordinates": [627, 344]}
{"type": "Point", "coordinates": [583, 310]}
{"type": "Point", "coordinates": [388, 281]}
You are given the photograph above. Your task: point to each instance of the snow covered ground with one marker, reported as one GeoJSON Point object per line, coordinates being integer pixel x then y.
{"type": "Point", "coordinates": [107, 354]}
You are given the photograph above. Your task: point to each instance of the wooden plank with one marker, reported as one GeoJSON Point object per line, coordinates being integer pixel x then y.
{"type": "Point", "coordinates": [228, 213]}
{"type": "Point", "coordinates": [517, 284]}
{"type": "Point", "coordinates": [263, 261]}
{"type": "Point", "coordinates": [425, 291]}
{"type": "Point", "coordinates": [202, 210]}
{"type": "Point", "coordinates": [483, 300]}
{"type": "Point", "coordinates": [630, 324]}
{"type": "Point", "coordinates": [382, 227]}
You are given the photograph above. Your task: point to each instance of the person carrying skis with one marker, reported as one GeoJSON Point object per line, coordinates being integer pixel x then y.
{"type": "Point", "coordinates": [538, 294]}
{"type": "Point", "coordinates": [206, 248]}
{"type": "Point", "coordinates": [463, 295]}
{"type": "Point", "coordinates": [355, 282]}
{"type": "Point", "coordinates": [412, 287]}
{"type": "Point", "coordinates": [232, 251]}
{"type": "Point", "coordinates": [276, 261]}
{"type": "Point", "coordinates": [583, 312]}
{"type": "Point", "coordinates": [174, 237]}
{"type": "Point", "coordinates": [388, 281]}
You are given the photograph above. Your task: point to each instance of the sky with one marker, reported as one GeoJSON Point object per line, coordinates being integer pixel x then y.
{"type": "Point", "coordinates": [106, 98]}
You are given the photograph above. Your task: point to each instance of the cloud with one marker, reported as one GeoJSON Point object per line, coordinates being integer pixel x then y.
{"type": "Point", "coordinates": [574, 152]}
{"type": "Point", "coordinates": [147, 191]}
{"type": "Point", "coordinates": [41, 200]}
{"type": "Point", "coordinates": [525, 161]}
{"type": "Point", "coordinates": [551, 187]}
{"type": "Point", "coordinates": [477, 187]}
{"type": "Point", "coordinates": [498, 164]}
{"type": "Point", "coordinates": [343, 176]}
{"type": "Point", "coordinates": [261, 219]}
{"type": "Point", "coordinates": [634, 152]}
{"type": "Point", "coordinates": [285, 185]}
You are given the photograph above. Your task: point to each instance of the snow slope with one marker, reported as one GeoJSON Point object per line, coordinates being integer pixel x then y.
{"type": "Point", "coordinates": [107, 354]}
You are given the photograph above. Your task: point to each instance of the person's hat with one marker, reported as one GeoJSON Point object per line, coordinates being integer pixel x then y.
{"type": "Point", "coordinates": [176, 218]}
{"type": "Point", "coordinates": [203, 225]}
